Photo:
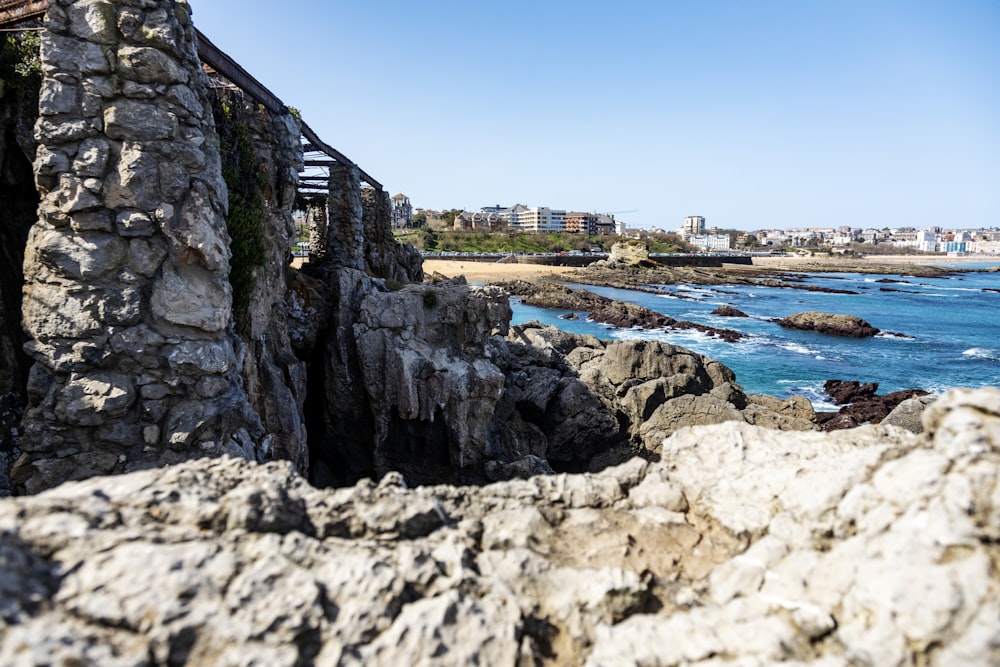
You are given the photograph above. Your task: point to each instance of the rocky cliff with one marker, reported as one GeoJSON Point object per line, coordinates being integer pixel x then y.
{"type": "Point", "coordinates": [743, 545]}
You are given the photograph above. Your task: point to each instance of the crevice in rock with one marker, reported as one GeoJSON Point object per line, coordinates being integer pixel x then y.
{"type": "Point", "coordinates": [19, 207]}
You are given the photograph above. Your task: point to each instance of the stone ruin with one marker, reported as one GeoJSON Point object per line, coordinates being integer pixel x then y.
{"type": "Point", "coordinates": [115, 204]}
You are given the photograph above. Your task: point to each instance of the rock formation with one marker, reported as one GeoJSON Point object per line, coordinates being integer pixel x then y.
{"type": "Point", "coordinates": [838, 325]}
{"type": "Point", "coordinates": [625, 254]}
{"type": "Point", "coordinates": [729, 311]}
{"type": "Point", "coordinates": [862, 405]}
{"type": "Point", "coordinates": [743, 545]}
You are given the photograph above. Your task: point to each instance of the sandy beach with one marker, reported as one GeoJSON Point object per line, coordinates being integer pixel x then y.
{"type": "Point", "coordinates": [484, 272]}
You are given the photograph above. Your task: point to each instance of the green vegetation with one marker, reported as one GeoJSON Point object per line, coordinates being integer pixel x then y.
{"type": "Point", "coordinates": [20, 63]}
{"type": "Point", "coordinates": [245, 180]}
{"type": "Point", "coordinates": [430, 240]}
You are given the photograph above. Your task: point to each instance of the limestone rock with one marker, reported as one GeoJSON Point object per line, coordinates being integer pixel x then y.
{"type": "Point", "coordinates": [909, 413]}
{"type": "Point", "coordinates": [629, 253]}
{"type": "Point", "coordinates": [873, 547]}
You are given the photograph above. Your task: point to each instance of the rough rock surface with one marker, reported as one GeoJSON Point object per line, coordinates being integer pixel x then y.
{"type": "Point", "coordinates": [742, 546]}
{"type": "Point", "coordinates": [126, 296]}
{"type": "Point", "coordinates": [829, 323]}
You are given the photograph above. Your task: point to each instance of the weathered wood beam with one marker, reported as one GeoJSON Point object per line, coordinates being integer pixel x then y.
{"type": "Point", "coordinates": [20, 10]}
{"type": "Point", "coordinates": [214, 57]}
{"type": "Point", "coordinates": [308, 133]}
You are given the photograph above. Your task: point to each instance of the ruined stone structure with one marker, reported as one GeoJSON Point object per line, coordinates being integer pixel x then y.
{"type": "Point", "coordinates": [127, 308]}
{"type": "Point", "coordinates": [316, 223]}
{"type": "Point", "coordinates": [156, 331]}
{"type": "Point", "coordinates": [127, 299]}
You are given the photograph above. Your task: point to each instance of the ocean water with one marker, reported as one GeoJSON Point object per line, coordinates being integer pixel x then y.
{"type": "Point", "coordinates": [951, 329]}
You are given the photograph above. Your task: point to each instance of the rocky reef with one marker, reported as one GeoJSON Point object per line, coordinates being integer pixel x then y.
{"type": "Point", "coordinates": [742, 545]}
{"type": "Point", "coordinates": [829, 323]}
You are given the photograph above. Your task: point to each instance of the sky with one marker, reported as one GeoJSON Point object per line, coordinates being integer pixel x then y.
{"type": "Point", "coordinates": [753, 113]}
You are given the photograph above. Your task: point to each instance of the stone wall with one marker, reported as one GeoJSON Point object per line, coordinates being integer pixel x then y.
{"type": "Point", "coordinates": [126, 298]}
{"type": "Point", "coordinates": [274, 377]}
{"type": "Point", "coordinates": [383, 255]}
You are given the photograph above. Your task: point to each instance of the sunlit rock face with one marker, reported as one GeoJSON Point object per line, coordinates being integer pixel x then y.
{"type": "Point", "coordinates": [872, 546]}
{"type": "Point", "coordinates": [127, 299]}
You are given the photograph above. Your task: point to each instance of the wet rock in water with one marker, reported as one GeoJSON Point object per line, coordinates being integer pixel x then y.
{"type": "Point", "coordinates": [729, 311]}
{"type": "Point", "coordinates": [843, 392]}
{"type": "Point", "coordinates": [862, 405]}
{"type": "Point", "coordinates": [838, 325]}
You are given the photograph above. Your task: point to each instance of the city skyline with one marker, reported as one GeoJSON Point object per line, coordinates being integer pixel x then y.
{"type": "Point", "coordinates": [755, 115]}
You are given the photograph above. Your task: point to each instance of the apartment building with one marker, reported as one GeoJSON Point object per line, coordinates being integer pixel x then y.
{"type": "Point", "coordinates": [693, 225]}
{"type": "Point", "coordinates": [541, 219]}
{"type": "Point", "coordinates": [581, 223]}
{"type": "Point", "coordinates": [402, 211]}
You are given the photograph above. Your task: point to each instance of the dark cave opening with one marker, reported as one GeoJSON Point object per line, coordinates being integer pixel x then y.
{"type": "Point", "coordinates": [18, 211]}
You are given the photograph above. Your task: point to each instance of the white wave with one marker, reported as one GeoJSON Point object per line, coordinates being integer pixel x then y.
{"type": "Point", "coordinates": [948, 289]}
{"type": "Point", "coordinates": [795, 347]}
{"type": "Point", "coordinates": [982, 353]}
{"type": "Point", "coordinates": [893, 336]}
{"type": "Point", "coordinates": [813, 391]}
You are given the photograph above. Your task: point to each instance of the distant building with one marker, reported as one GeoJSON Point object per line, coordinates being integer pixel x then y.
{"type": "Point", "coordinates": [480, 222]}
{"type": "Point", "coordinates": [541, 219]}
{"type": "Point", "coordinates": [693, 225]}
{"type": "Point", "coordinates": [710, 242]}
{"type": "Point", "coordinates": [402, 212]}
{"type": "Point", "coordinates": [581, 223]}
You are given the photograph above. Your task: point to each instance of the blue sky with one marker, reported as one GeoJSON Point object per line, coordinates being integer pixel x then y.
{"type": "Point", "coordinates": [753, 113]}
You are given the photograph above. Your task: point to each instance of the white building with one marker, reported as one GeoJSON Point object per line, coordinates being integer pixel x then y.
{"type": "Point", "coordinates": [402, 211]}
{"type": "Point", "coordinates": [541, 219]}
{"type": "Point", "coordinates": [710, 242]}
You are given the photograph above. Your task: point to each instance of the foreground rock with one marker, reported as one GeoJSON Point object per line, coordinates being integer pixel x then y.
{"type": "Point", "coordinates": [829, 323]}
{"type": "Point", "coordinates": [869, 547]}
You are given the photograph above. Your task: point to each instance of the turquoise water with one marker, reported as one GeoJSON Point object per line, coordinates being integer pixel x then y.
{"type": "Point", "coordinates": [951, 327]}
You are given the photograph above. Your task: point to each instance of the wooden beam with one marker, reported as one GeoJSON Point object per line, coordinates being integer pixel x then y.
{"type": "Point", "coordinates": [229, 68]}
{"type": "Point", "coordinates": [308, 133]}
{"type": "Point", "coordinates": [20, 10]}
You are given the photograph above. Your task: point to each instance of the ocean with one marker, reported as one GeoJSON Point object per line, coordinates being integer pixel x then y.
{"type": "Point", "coordinates": [950, 327]}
